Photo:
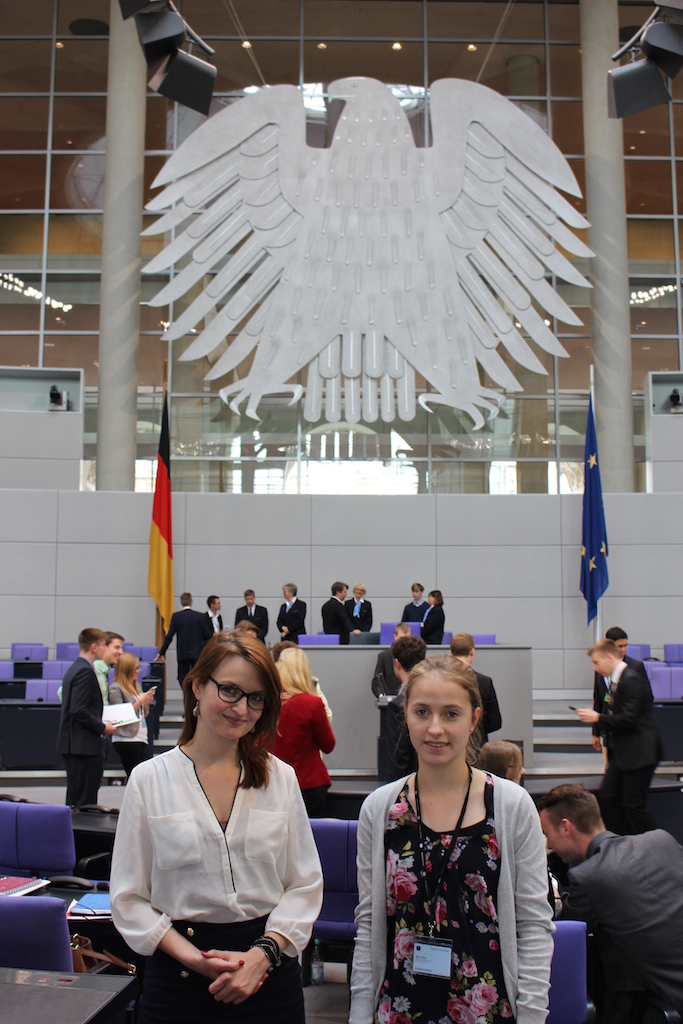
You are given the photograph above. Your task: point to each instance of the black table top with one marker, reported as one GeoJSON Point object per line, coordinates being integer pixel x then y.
{"type": "Point", "coordinates": [39, 996]}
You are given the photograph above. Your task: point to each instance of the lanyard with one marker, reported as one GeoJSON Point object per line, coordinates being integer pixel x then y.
{"type": "Point", "coordinates": [432, 900]}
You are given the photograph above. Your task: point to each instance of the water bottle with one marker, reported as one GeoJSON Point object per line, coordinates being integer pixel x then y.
{"type": "Point", "coordinates": [317, 965]}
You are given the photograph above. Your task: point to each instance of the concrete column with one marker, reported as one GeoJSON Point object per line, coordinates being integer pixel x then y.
{"type": "Point", "coordinates": [121, 257]}
{"type": "Point", "coordinates": [606, 204]}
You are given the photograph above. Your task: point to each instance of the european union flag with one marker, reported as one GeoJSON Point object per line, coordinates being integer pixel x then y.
{"type": "Point", "coordinates": [594, 575]}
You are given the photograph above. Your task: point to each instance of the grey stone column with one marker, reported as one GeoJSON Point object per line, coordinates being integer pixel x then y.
{"type": "Point", "coordinates": [121, 257]}
{"type": "Point", "coordinates": [606, 204]}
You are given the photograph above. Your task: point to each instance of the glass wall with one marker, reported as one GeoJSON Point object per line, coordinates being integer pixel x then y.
{"type": "Point", "coordinates": [53, 66]}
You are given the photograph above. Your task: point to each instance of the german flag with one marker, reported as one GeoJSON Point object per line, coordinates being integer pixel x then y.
{"type": "Point", "coordinates": [160, 579]}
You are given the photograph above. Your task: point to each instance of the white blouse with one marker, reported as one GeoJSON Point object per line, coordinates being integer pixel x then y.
{"type": "Point", "coordinates": [173, 862]}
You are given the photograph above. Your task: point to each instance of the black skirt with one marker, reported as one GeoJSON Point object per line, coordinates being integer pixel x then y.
{"type": "Point", "coordinates": [169, 998]}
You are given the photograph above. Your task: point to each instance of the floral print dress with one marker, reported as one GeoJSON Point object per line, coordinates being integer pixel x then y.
{"type": "Point", "coordinates": [465, 913]}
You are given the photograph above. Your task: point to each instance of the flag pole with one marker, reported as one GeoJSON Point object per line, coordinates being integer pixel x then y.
{"type": "Point", "coordinates": [597, 621]}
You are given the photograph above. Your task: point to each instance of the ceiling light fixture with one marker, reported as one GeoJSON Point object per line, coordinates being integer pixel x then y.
{"type": "Point", "coordinates": [471, 47]}
{"type": "Point", "coordinates": [246, 45]}
{"type": "Point", "coordinates": [396, 46]}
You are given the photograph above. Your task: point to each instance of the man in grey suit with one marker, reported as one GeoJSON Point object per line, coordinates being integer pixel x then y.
{"type": "Point", "coordinates": [628, 890]}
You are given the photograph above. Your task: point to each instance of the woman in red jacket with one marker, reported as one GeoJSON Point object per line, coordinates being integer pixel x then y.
{"type": "Point", "coordinates": [303, 730]}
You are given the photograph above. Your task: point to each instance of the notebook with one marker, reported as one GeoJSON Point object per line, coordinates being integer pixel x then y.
{"type": "Point", "coordinates": [92, 904]}
{"type": "Point", "coordinates": [15, 885]}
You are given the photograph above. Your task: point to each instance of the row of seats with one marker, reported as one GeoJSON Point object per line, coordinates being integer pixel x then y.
{"type": "Point", "coordinates": [47, 689]}
{"type": "Point", "coordinates": [69, 652]}
{"type": "Point", "coordinates": [666, 680]}
{"type": "Point", "coordinates": [385, 637]}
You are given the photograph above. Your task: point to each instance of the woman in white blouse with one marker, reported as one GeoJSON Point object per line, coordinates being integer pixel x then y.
{"type": "Point", "coordinates": [215, 873]}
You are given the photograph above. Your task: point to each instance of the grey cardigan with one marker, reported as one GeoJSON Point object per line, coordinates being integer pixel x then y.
{"type": "Point", "coordinates": [524, 915]}
{"type": "Point", "coordinates": [117, 696]}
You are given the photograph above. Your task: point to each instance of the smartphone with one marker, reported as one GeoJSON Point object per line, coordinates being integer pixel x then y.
{"type": "Point", "coordinates": [572, 708]}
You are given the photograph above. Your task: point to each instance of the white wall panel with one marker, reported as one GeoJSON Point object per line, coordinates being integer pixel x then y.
{"type": "Point", "coordinates": [98, 570]}
{"type": "Point", "coordinates": [338, 519]}
{"type": "Point", "coordinates": [27, 568]}
{"type": "Point", "coordinates": [512, 571]}
{"type": "Point", "coordinates": [25, 517]}
{"type": "Point", "coordinates": [111, 517]}
{"type": "Point", "coordinates": [248, 519]}
{"type": "Point", "coordinates": [497, 519]}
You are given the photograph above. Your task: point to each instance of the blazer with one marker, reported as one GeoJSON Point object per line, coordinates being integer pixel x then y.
{"type": "Point", "coordinates": [385, 666]}
{"type": "Point", "coordinates": [192, 630]}
{"type": "Point", "coordinates": [490, 719]}
{"type": "Point", "coordinates": [600, 689]}
{"type": "Point", "coordinates": [207, 616]}
{"type": "Point", "coordinates": [117, 695]}
{"type": "Point", "coordinates": [364, 621]}
{"type": "Point", "coordinates": [302, 732]}
{"type": "Point", "coordinates": [432, 627]}
{"type": "Point", "coordinates": [629, 892]}
{"type": "Point", "coordinates": [259, 618]}
{"type": "Point", "coordinates": [80, 724]}
{"type": "Point", "coordinates": [632, 736]}
{"type": "Point", "coordinates": [402, 756]}
{"type": "Point", "coordinates": [294, 620]}
{"type": "Point", "coordinates": [336, 619]}
{"type": "Point", "coordinates": [412, 613]}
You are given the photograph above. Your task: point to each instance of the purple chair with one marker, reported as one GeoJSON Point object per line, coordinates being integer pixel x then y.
{"type": "Point", "coordinates": [484, 639]}
{"type": "Point", "coordinates": [336, 842]}
{"type": "Point", "coordinates": [127, 645]}
{"type": "Point", "coordinates": [53, 686]}
{"type": "Point", "coordinates": [446, 638]}
{"type": "Point", "coordinates": [660, 680]}
{"type": "Point", "coordinates": [55, 669]}
{"type": "Point", "coordinates": [36, 839]}
{"type": "Point", "coordinates": [21, 652]}
{"type": "Point", "coordinates": [568, 998]}
{"type": "Point", "coordinates": [639, 651]}
{"type": "Point", "coordinates": [673, 654]}
{"type": "Point", "coordinates": [319, 639]}
{"type": "Point", "coordinates": [135, 649]}
{"type": "Point", "coordinates": [145, 670]}
{"type": "Point", "coordinates": [34, 934]}
{"type": "Point", "coordinates": [148, 652]}
{"type": "Point", "coordinates": [110, 675]}
{"type": "Point", "coordinates": [6, 670]}
{"type": "Point", "coordinates": [36, 689]}
{"type": "Point", "coordinates": [676, 682]}
{"type": "Point", "coordinates": [67, 652]}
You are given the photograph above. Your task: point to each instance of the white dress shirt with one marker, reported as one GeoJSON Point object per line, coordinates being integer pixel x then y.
{"type": "Point", "coordinates": [173, 862]}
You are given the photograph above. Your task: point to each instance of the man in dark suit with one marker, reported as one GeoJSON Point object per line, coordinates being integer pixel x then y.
{"type": "Point", "coordinates": [192, 629]}
{"type": "Point", "coordinates": [215, 623]}
{"type": "Point", "coordinates": [633, 743]}
{"type": "Point", "coordinates": [600, 687]}
{"type": "Point", "coordinates": [253, 612]}
{"type": "Point", "coordinates": [336, 618]}
{"type": "Point", "coordinates": [407, 652]}
{"type": "Point", "coordinates": [291, 620]}
{"type": "Point", "coordinates": [628, 890]}
{"type": "Point", "coordinates": [80, 726]}
{"type": "Point", "coordinates": [384, 680]}
{"type": "Point", "coordinates": [462, 648]}
{"type": "Point", "coordinates": [415, 610]}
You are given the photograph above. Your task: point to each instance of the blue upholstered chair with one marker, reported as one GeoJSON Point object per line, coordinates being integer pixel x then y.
{"type": "Point", "coordinates": [6, 670]}
{"type": "Point", "coordinates": [660, 679]}
{"type": "Point", "coordinates": [336, 842]}
{"type": "Point", "coordinates": [36, 839]}
{"type": "Point", "coordinates": [36, 689]}
{"type": "Point", "coordinates": [484, 639]}
{"type": "Point", "coordinates": [568, 1001]}
{"type": "Point", "coordinates": [67, 651]}
{"type": "Point", "coordinates": [34, 934]}
{"type": "Point", "coordinates": [318, 640]}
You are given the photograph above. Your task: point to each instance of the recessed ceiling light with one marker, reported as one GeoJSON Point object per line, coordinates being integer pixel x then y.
{"type": "Point", "coordinates": [60, 46]}
{"type": "Point", "coordinates": [642, 131]}
{"type": "Point", "coordinates": [631, 147]}
{"type": "Point", "coordinates": [69, 142]}
{"type": "Point", "coordinates": [246, 44]}
{"type": "Point", "coordinates": [396, 46]}
{"type": "Point", "coordinates": [322, 46]}
{"type": "Point", "coordinates": [471, 47]}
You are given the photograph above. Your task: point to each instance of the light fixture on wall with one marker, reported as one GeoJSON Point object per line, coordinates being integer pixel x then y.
{"type": "Point", "coordinates": [639, 85]}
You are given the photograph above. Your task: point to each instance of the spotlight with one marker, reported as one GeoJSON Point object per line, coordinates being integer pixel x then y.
{"type": "Point", "coordinates": [131, 7]}
{"type": "Point", "coordinates": [635, 87]}
{"type": "Point", "coordinates": [663, 44]}
{"type": "Point", "coordinates": [186, 79]}
{"type": "Point", "coordinates": [161, 34]}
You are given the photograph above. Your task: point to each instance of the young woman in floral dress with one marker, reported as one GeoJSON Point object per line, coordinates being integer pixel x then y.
{"type": "Point", "coordinates": [453, 918]}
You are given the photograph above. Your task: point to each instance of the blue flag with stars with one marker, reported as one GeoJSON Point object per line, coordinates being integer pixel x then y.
{"type": "Point", "coordinates": [594, 575]}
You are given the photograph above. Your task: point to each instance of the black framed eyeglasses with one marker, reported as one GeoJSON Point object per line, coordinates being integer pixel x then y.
{"type": "Point", "coordinates": [230, 694]}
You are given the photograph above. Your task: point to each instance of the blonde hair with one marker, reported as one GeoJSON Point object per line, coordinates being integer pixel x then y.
{"type": "Point", "coordinates": [452, 671]}
{"type": "Point", "coordinates": [124, 673]}
{"type": "Point", "coordinates": [295, 672]}
{"type": "Point", "coordinates": [359, 586]}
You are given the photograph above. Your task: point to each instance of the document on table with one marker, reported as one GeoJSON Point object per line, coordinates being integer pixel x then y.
{"type": "Point", "coordinates": [119, 714]}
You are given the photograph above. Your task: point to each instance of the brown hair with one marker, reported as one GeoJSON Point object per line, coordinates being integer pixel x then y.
{"type": "Point", "coordinates": [462, 643]}
{"type": "Point", "coordinates": [338, 586]}
{"type": "Point", "coordinates": [605, 647]}
{"type": "Point", "coordinates": [185, 599]}
{"type": "Point", "coordinates": [501, 758]}
{"type": "Point", "coordinates": [277, 649]}
{"type": "Point", "coordinates": [123, 673]}
{"type": "Point", "coordinates": [89, 636]}
{"type": "Point", "coordinates": [109, 636]}
{"type": "Point", "coordinates": [249, 593]}
{"type": "Point", "coordinates": [247, 626]}
{"type": "Point", "coordinates": [575, 804]}
{"type": "Point", "coordinates": [409, 651]}
{"type": "Point", "coordinates": [252, 747]}
{"type": "Point", "coordinates": [438, 597]}
{"type": "Point", "coordinates": [417, 586]}
{"type": "Point", "coordinates": [453, 671]}
{"type": "Point", "coordinates": [402, 628]}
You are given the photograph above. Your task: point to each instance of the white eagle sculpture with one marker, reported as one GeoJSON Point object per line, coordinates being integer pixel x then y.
{"type": "Point", "coordinates": [371, 260]}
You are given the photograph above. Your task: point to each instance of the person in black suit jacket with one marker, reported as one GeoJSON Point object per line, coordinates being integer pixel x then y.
{"type": "Point", "coordinates": [628, 891]}
{"type": "Point", "coordinates": [415, 610]}
{"type": "Point", "coordinates": [633, 742]}
{"type": "Point", "coordinates": [215, 619]}
{"type": "Point", "coordinates": [385, 680]}
{"type": "Point", "coordinates": [462, 648]}
{"type": "Point", "coordinates": [192, 629]}
{"type": "Point", "coordinates": [434, 620]}
{"type": "Point", "coordinates": [407, 652]}
{"type": "Point", "coordinates": [291, 620]}
{"type": "Point", "coordinates": [363, 620]}
{"type": "Point", "coordinates": [254, 613]}
{"type": "Point", "coordinates": [80, 726]}
{"type": "Point", "coordinates": [600, 688]}
{"type": "Point", "coordinates": [336, 618]}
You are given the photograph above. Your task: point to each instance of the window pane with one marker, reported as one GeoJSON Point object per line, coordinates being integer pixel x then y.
{"type": "Point", "coordinates": [279, 63]}
{"type": "Point", "coordinates": [568, 126]}
{"type": "Point", "coordinates": [372, 60]}
{"type": "Point", "coordinates": [18, 350]}
{"type": "Point", "coordinates": [22, 182]}
{"type": "Point", "coordinates": [647, 133]}
{"type": "Point", "coordinates": [23, 123]}
{"type": "Point", "coordinates": [563, 21]}
{"type": "Point", "coordinates": [30, 17]}
{"type": "Point", "coordinates": [79, 122]}
{"type": "Point", "coordinates": [325, 18]}
{"type": "Point", "coordinates": [573, 373]}
{"type": "Point", "coordinates": [159, 123]}
{"type": "Point", "coordinates": [651, 354]}
{"type": "Point", "coordinates": [650, 246]}
{"type": "Point", "coordinates": [653, 306]}
{"type": "Point", "coordinates": [151, 357]}
{"type": "Point", "coordinates": [71, 10]}
{"type": "Point", "coordinates": [81, 66]}
{"type": "Point", "coordinates": [73, 351]}
{"type": "Point", "coordinates": [25, 65]}
{"type": "Point", "coordinates": [77, 237]}
{"type": "Point", "coordinates": [520, 430]}
{"type": "Point", "coordinates": [579, 169]}
{"type": "Point", "coordinates": [565, 71]}
{"type": "Point", "coordinates": [258, 17]}
{"type": "Point", "coordinates": [77, 182]}
{"type": "Point", "coordinates": [511, 70]}
{"type": "Point", "coordinates": [80, 292]}
{"type": "Point", "coordinates": [20, 236]}
{"type": "Point", "coordinates": [648, 186]}
{"type": "Point", "coordinates": [572, 416]}
{"type": "Point", "coordinates": [480, 21]}
{"type": "Point", "coordinates": [19, 301]}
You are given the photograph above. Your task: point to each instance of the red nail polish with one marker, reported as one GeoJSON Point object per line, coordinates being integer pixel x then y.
{"type": "Point", "coordinates": [241, 963]}
{"type": "Point", "coordinates": [203, 951]}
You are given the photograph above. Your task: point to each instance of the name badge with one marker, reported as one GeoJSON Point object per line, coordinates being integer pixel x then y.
{"type": "Point", "coordinates": [432, 957]}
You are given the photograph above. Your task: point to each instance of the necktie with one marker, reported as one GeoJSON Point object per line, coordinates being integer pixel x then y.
{"type": "Point", "coordinates": [429, 608]}
{"type": "Point", "coordinates": [251, 612]}
{"type": "Point", "coordinates": [356, 610]}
